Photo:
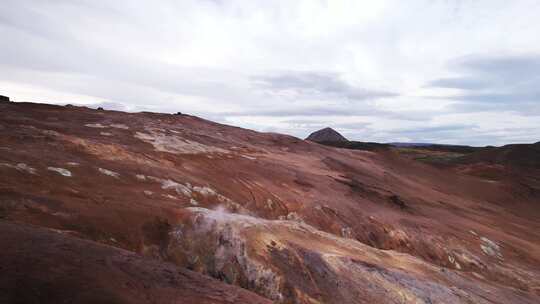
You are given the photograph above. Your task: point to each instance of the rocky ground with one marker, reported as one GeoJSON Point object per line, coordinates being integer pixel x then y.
{"type": "Point", "coordinates": [126, 207]}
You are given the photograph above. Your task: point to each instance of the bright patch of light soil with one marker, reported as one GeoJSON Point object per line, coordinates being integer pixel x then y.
{"type": "Point", "coordinates": [22, 167]}
{"type": "Point", "coordinates": [490, 248]}
{"type": "Point", "coordinates": [119, 126]}
{"type": "Point", "coordinates": [61, 171]}
{"type": "Point", "coordinates": [182, 189]}
{"type": "Point", "coordinates": [109, 172]}
{"type": "Point", "coordinates": [187, 190]}
{"type": "Point", "coordinates": [96, 125]}
{"type": "Point", "coordinates": [175, 144]}
{"type": "Point", "coordinates": [179, 188]}
{"type": "Point", "coordinates": [100, 126]}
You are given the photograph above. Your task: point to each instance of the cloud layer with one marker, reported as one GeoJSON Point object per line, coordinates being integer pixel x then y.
{"type": "Point", "coordinates": [440, 71]}
{"type": "Point", "coordinates": [495, 83]}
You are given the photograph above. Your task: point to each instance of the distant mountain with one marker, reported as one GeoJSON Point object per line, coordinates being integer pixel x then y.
{"type": "Point", "coordinates": [407, 144]}
{"type": "Point", "coordinates": [326, 135]}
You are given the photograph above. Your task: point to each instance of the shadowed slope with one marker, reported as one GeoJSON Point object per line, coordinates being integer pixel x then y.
{"type": "Point", "coordinates": [44, 266]}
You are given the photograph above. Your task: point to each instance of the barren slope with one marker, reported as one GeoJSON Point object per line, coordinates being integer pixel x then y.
{"type": "Point", "coordinates": [296, 221]}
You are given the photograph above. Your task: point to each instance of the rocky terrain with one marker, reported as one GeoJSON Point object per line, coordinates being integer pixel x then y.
{"type": "Point", "coordinates": [106, 206]}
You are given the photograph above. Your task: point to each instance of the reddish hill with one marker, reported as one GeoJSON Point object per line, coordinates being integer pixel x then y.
{"type": "Point", "coordinates": [291, 220]}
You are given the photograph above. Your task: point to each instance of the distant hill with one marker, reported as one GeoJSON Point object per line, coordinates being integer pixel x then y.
{"type": "Point", "coordinates": [437, 147]}
{"type": "Point", "coordinates": [326, 135]}
{"type": "Point", "coordinates": [330, 137]}
{"type": "Point", "coordinates": [518, 155]}
{"type": "Point", "coordinates": [407, 144]}
{"type": "Point", "coordinates": [356, 145]}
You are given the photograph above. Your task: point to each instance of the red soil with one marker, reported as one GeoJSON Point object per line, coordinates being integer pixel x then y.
{"type": "Point", "coordinates": [128, 180]}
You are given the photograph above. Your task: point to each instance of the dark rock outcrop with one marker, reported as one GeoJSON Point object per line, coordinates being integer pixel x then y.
{"type": "Point", "coordinates": [326, 135]}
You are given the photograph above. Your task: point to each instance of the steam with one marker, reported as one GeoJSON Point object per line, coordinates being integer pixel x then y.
{"type": "Point", "coordinates": [220, 217]}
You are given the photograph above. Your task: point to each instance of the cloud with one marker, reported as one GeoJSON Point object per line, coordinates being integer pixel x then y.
{"type": "Point", "coordinates": [433, 131]}
{"type": "Point", "coordinates": [464, 83]}
{"type": "Point", "coordinates": [501, 82]}
{"type": "Point", "coordinates": [307, 111]}
{"type": "Point", "coordinates": [507, 67]}
{"type": "Point", "coordinates": [334, 112]}
{"type": "Point", "coordinates": [263, 64]}
{"type": "Point", "coordinates": [317, 84]}
{"type": "Point", "coordinates": [308, 126]}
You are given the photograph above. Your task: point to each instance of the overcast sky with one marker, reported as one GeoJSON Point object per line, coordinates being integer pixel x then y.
{"type": "Point", "coordinates": [464, 72]}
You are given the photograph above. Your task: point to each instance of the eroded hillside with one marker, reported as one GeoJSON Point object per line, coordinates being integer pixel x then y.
{"type": "Point", "coordinates": [291, 220]}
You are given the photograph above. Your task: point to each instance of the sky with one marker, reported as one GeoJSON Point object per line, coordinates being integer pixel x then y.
{"type": "Point", "coordinates": [440, 71]}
